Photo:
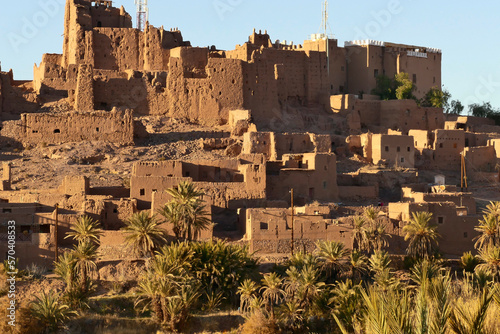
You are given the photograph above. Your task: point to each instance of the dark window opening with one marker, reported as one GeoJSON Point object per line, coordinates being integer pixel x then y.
{"type": "Point", "coordinates": [440, 145]}
{"type": "Point", "coordinates": [341, 89]}
{"type": "Point", "coordinates": [398, 149]}
{"type": "Point", "coordinates": [96, 129]}
{"type": "Point", "coordinates": [264, 226]}
{"type": "Point", "coordinates": [414, 78]}
{"type": "Point", "coordinates": [45, 228]}
{"type": "Point", "coordinates": [99, 24]}
{"type": "Point", "coordinates": [440, 220]}
{"type": "Point", "coordinates": [387, 148]}
{"type": "Point", "coordinates": [142, 192]}
{"type": "Point", "coordinates": [115, 210]}
{"type": "Point", "coordinates": [375, 73]}
{"type": "Point", "coordinates": [57, 131]}
{"type": "Point", "coordinates": [466, 235]}
{"type": "Point", "coordinates": [5, 210]}
{"type": "Point", "coordinates": [408, 149]}
{"type": "Point", "coordinates": [35, 131]}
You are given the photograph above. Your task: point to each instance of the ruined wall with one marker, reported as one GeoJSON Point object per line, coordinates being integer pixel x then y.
{"type": "Point", "coordinates": [313, 177]}
{"type": "Point", "coordinates": [115, 126]}
{"type": "Point", "coordinates": [480, 159]}
{"type": "Point", "coordinates": [457, 232]}
{"type": "Point", "coordinates": [448, 144]}
{"type": "Point", "coordinates": [269, 231]}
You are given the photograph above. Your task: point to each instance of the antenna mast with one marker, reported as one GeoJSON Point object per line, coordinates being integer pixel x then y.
{"type": "Point", "coordinates": [142, 14]}
{"type": "Point", "coordinates": [324, 24]}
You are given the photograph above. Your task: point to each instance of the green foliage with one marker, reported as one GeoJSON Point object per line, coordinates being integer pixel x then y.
{"type": "Point", "coordinates": [186, 212]}
{"type": "Point", "coordinates": [385, 88]}
{"type": "Point", "coordinates": [469, 262]}
{"type": "Point", "coordinates": [422, 237]}
{"type": "Point", "coordinates": [400, 87]}
{"type": "Point", "coordinates": [456, 107]}
{"type": "Point", "coordinates": [48, 309]}
{"type": "Point", "coordinates": [404, 86]}
{"type": "Point", "coordinates": [143, 233]}
{"type": "Point", "coordinates": [436, 98]}
{"type": "Point", "coordinates": [85, 229]}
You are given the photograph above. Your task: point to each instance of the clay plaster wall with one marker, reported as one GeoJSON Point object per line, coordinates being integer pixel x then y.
{"type": "Point", "coordinates": [482, 158]}
{"type": "Point", "coordinates": [457, 232]}
{"type": "Point", "coordinates": [270, 230]}
{"type": "Point", "coordinates": [115, 126]}
{"type": "Point", "coordinates": [312, 175]}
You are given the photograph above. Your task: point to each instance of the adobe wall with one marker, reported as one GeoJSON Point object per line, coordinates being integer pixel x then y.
{"type": "Point", "coordinates": [269, 231]}
{"type": "Point", "coordinates": [394, 150]}
{"type": "Point", "coordinates": [115, 126]}
{"type": "Point", "coordinates": [358, 192]}
{"type": "Point", "coordinates": [313, 177]}
{"type": "Point", "coordinates": [457, 232]}
{"type": "Point", "coordinates": [448, 144]}
{"type": "Point", "coordinates": [15, 100]}
{"type": "Point", "coordinates": [365, 62]}
{"type": "Point", "coordinates": [480, 159]}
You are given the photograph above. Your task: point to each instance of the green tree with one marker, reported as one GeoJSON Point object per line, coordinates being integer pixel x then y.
{"type": "Point", "coordinates": [422, 237]}
{"type": "Point", "coordinates": [436, 98]}
{"type": "Point", "coordinates": [482, 110]}
{"type": "Point", "coordinates": [385, 88]}
{"type": "Point", "coordinates": [489, 229]}
{"type": "Point", "coordinates": [85, 229]}
{"type": "Point", "coordinates": [143, 233]}
{"type": "Point", "coordinates": [186, 211]}
{"type": "Point", "coordinates": [52, 313]}
{"type": "Point", "coordinates": [332, 255]}
{"type": "Point", "coordinates": [271, 291]}
{"type": "Point", "coordinates": [404, 86]}
{"type": "Point", "coordinates": [456, 108]}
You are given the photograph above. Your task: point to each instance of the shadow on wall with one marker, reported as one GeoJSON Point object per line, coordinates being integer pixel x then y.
{"type": "Point", "coordinates": [122, 93]}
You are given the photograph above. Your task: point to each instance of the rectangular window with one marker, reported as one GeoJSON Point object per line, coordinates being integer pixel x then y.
{"type": "Point", "coordinates": [414, 78]}
{"type": "Point", "coordinates": [45, 228]}
{"type": "Point", "coordinates": [264, 226]}
{"type": "Point", "coordinates": [375, 73]}
{"type": "Point", "coordinates": [387, 148]}
{"type": "Point", "coordinates": [142, 192]}
{"type": "Point", "coordinates": [466, 235]}
{"type": "Point", "coordinates": [440, 220]}
{"type": "Point", "coordinates": [398, 149]}
{"type": "Point", "coordinates": [402, 160]}
{"type": "Point", "coordinates": [408, 149]}
{"type": "Point", "coordinates": [324, 185]}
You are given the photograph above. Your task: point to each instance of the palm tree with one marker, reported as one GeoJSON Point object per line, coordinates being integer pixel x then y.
{"type": "Point", "coordinates": [186, 211]}
{"type": "Point", "coordinates": [493, 209]}
{"type": "Point", "coordinates": [489, 229]}
{"type": "Point", "coordinates": [143, 233]}
{"type": "Point", "coordinates": [471, 320]}
{"type": "Point", "coordinates": [377, 236]}
{"type": "Point", "coordinates": [65, 267]}
{"type": "Point", "coordinates": [490, 258]}
{"type": "Point", "coordinates": [85, 229]}
{"type": "Point", "coordinates": [272, 292]}
{"type": "Point", "coordinates": [247, 291]}
{"type": "Point", "coordinates": [50, 311]}
{"type": "Point", "coordinates": [359, 234]}
{"type": "Point", "coordinates": [171, 214]}
{"type": "Point", "coordinates": [331, 254]}
{"type": "Point", "coordinates": [358, 263]}
{"type": "Point", "coordinates": [85, 256]}
{"type": "Point", "coordinates": [371, 214]}
{"type": "Point", "coordinates": [309, 286]}
{"type": "Point", "coordinates": [422, 236]}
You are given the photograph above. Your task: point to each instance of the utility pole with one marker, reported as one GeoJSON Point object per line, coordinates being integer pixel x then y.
{"type": "Point", "coordinates": [142, 14]}
{"type": "Point", "coordinates": [56, 235]}
{"type": "Point", "coordinates": [293, 241]}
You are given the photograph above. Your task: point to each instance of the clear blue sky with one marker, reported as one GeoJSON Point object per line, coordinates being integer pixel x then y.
{"type": "Point", "coordinates": [466, 33]}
